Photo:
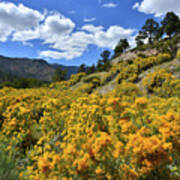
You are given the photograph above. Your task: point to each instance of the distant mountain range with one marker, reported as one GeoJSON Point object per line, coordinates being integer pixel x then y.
{"type": "Point", "coordinates": [30, 68]}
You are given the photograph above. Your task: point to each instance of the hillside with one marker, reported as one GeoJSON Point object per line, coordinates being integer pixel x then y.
{"type": "Point", "coordinates": [122, 123]}
{"type": "Point", "coordinates": [31, 68]}
{"type": "Point", "coordinates": [134, 65]}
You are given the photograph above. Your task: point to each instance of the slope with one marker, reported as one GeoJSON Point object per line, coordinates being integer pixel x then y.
{"type": "Point", "coordinates": [32, 68]}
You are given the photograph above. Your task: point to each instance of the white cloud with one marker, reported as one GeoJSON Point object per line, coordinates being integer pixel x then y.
{"type": "Point", "coordinates": [54, 26]}
{"type": "Point", "coordinates": [111, 37]}
{"type": "Point", "coordinates": [26, 35]}
{"type": "Point", "coordinates": [77, 41]}
{"type": "Point", "coordinates": [109, 5]}
{"type": "Point", "coordinates": [58, 32]}
{"type": "Point", "coordinates": [60, 55]}
{"type": "Point", "coordinates": [91, 28]}
{"type": "Point", "coordinates": [17, 18]}
{"type": "Point", "coordinates": [136, 5]}
{"type": "Point", "coordinates": [158, 7]}
{"type": "Point", "coordinates": [89, 19]}
{"type": "Point", "coordinates": [4, 33]}
{"type": "Point", "coordinates": [76, 44]}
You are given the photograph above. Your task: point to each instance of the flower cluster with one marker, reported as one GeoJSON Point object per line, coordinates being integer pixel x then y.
{"type": "Point", "coordinates": [129, 70]}
{"type": "Point", "coordinates": [60, 133]}
{"type": "Point", "coordinates": [162, 84]}
{"type": "Point", "coordinates": [178, 54]}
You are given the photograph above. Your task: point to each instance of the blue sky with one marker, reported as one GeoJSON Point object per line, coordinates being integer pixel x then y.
{"type": "Point", "coordinates": [72, 32]}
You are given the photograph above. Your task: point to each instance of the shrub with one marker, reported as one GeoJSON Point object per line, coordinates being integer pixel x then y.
{"type": "Point", "coordinates": [127, 89]}
{"type": "Point", "coordinates": [75, 78]}
{"type": "Point", "coordinates": [8, 164]}
{"type": "Point", "coordinates": [63, 85]}
{"type": "Point", "coordinates": [178, 54]}
{"type": "Point", "coordinates": [129, 74]}
{"type": "Point", "coordinates": [169, 88]}
{"type": "Point", "coordinates": [86, 88]}
{"type": "Point", "coordinates": [120, 135]}
{"type": "Point", "coordinates": [162, 84]}
{"type": "Point", "coordinates": [141, 55]}
{"type": "Point", "coordinates": [108, 77]}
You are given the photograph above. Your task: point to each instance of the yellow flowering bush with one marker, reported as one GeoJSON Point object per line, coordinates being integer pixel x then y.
{"type": "Point", "coordinates": [86, 88]}
{"type": "Point", "coordinates": [95, 80]}
{"type": "Point", "coordinates": [130, 72]}
{"type": "Point", "coordinates": [75, 78]}
{"type": "Point", "coordinates": [58, 133]}
{"type": "Point", "coordinates": [106, 137]}
{"type": "Point", "coordinates": [162, 84]}
{"type": "Point", "coordinates": [178, 54]}
{"type": "Point", "coordinates": [114, 71]}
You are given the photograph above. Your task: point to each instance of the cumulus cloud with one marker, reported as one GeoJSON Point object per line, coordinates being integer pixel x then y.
{"type": "Point", "coordinates": [136, 5]}
{"type": "Point", "coordinates": [17, 18]}
{"type": "Point", "coordinates": [59, 33]}
{"type": "Point", "coordinates": [54, 26]}
{"type": "Point", "coordinates": [111, 36]}
{"type": "Point", "coordinates": [109, 5]}
{"type": "Point", "coordinates": [91, 28]}
{"type": "Point", "coordinates": [60, 55]}
{"type": "Point", "coordinates": [76, 44]}
{"type": "Point", "coordinates": [158, 7]}
{"type": "Point", "coordinates": [89, 19]}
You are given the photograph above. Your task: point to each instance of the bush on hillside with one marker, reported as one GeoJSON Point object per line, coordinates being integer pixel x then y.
{"type": "Point", "coordinates": [162, 84]}
{"type": "Point", "coordinates": [75, 78]}
{"type": "Point", "coordinates": [24, 83]}
{"type": "Point", "coordinates": [127, 89]}
{"type": "Point", "coordinates": [8, 163]}
{"type": "Point", "coordinates": [86, 88]}
{"type": "Point", "coordinates": [178, 54]}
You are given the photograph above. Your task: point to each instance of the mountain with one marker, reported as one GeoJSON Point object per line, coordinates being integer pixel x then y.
{"type": "Point", "coordinates": [30, 68]}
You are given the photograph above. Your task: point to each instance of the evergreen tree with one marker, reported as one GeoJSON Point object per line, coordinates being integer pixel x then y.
{"type": "Point", "coordinates": [121, 47]}
{"type": "Point", "coordinates": [82, 68]}
{"type": "Point", "coordinates": [105, 55]}
{"type": "Point", "coordinates": [150, 30]}
{"type": "Point", "coordinates": [140, 38]}
{"type": "Point", "coordinates": [171, 24]}
{"type": "Point", "coordinates": [59, 75]}
{"type": "Point", "coordinates": [91, 69]}
{"type": "Point", "coordinates": [104, 63]}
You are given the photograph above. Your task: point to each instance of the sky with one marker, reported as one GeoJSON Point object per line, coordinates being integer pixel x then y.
{"type": "Point", "coordinates": [73, 32]}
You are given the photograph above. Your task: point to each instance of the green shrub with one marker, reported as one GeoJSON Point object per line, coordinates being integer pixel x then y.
{"type": "Point", "coordinates": [142, 55]}
{"type": "Point", "coordinates": [169, 88]}
{"type": "Point", "coordinates": [95, 80]}
{"type": "Point", "coordinates": [90, 79]}
{"type": "Point", "coordinates": [86, 88]}
{"type": "Point", "coordinates": [127, 89]}
{"type": "Point", "coordinates": [130, 74]}
{"type": "Point", "coordinates": [178, 54]}
{"type": "Point", "coordinates": [161, 58]}
{"type": "Point", "coordinates": [162, 84]}
{"type": "Point", "coordinates": [109, 76]}
{"type": "Point", "coordinates": [75, 78]}
{"type": "Point", "coordinates": [8, 165]}
{"type": "Point", "coordinates": [24, 83]}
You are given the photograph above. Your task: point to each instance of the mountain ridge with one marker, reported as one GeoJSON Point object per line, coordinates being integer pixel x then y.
{"type": "Point", "coordinates": [32, 68]}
